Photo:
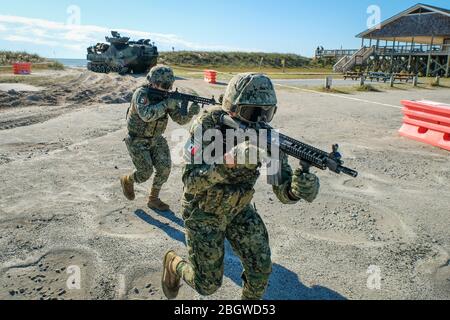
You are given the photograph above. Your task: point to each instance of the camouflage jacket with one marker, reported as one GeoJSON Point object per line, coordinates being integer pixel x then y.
{"type": "Point", "coordinates": [148, 115]}
{"type": "Point", "coordinates": [215, 188]}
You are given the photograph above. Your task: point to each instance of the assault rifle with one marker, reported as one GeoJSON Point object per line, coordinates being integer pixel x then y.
{"type": "Point", "coordinates": [309, 156]}
{"type": "Point", "coordinates": [184, 98]}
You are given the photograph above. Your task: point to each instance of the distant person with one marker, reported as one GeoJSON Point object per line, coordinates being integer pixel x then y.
{"type": "Point", "coordinates": [147, 119]}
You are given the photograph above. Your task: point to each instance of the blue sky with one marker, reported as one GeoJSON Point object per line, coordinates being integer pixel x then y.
{"type": "Point", "coordinates": [50, 28]}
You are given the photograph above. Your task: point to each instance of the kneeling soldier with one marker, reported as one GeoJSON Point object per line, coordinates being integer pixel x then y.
{"type": "Point", "coordinates": [217, 200]}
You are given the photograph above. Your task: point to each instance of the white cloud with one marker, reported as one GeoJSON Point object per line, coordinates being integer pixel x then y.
{"type": "Point", "coordinates": [38, 41]}
{"type": "Point", "coordinates": [77, 38]}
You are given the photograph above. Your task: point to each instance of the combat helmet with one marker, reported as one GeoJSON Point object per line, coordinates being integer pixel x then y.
{"type": "Point", "coordinates": [250, 97]}
{"type": "Point", "coordinates": [162, 76]}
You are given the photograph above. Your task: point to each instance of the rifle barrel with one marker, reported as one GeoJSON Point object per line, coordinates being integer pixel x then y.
{"type": "Point", "coordinates": [299, 150]}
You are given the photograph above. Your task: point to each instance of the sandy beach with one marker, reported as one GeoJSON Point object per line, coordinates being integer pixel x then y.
{"type": "Point", "coordinates": [62, 152]}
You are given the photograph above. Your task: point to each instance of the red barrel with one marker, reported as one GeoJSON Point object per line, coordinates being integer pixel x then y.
{"type": "Point", "coordinates": [22, 68]}
{"type": "Point", "coordinates": [211, 76]}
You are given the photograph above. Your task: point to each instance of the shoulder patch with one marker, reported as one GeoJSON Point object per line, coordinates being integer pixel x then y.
{"type": "Point", "coordinates": [142, 98]}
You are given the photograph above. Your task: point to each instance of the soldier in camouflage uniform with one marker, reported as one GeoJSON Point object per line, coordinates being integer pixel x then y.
{"type": "Point", "coordinates": [217, 201]}
{"type": "Point", "coordinates": [147, 118]}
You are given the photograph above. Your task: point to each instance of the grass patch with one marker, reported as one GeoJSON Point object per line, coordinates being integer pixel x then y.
{"type": "Point", "coordinates": [32, 80]}
{"type": "Point", "coordinates": [430, 83]}
{"type": "Point", "coordinates": [36, 80]}
{"type": "Point", "coordinates": [55, 65]}
{"type": "Point", "coordinates": [226, 73]}
{"type": "Point", "coordinates": [340, 90]}
{"type": "Point", "coordinates": [233, 59]}
{"type": "Point", "coordinates": [367, 88]}
{"type": "Point", "coordinates": [8, 58]}
{"type": "Point", "coordinates": [441, 84]}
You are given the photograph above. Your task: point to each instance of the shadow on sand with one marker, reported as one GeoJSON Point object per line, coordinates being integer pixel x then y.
{"type": "Point", "coordinates": [284, 284]}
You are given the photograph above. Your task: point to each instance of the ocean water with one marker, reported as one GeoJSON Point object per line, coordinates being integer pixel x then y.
{"type": "Point", "coordinates": [74, 63]}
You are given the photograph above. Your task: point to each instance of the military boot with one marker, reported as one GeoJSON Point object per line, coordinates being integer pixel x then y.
{"type": "Point", "coordinates": [170, 279]}
{"type": "Point", "coordinates": [127, 183]}
{"type": "Point", "coordinates": [155, 203]}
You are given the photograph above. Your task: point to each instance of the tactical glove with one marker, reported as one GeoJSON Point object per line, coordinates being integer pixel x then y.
{"type": "Point", "coordinates": [194, 110]}
{"type": "Point", "coordinates": [305, 186]}
{"type": "Point", "coordinates": [172, 104]}
{"type": "Point", "coordinates": [246, 155]}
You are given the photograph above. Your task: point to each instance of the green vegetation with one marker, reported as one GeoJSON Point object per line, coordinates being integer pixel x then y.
{"type": "Point", "coordinates": [442, 83]}
{"type": "Point", "coordinates": [323, 62]}
{"type": "Point", "coordinates": [10, 57]}
{"type": "Point", "coordinates": [234, 60]}
{"type": "Point", "coordinates": [367, 88]}
{"type": "Point", "coordinates": [55, 65]}
{"type": "Point", "coordinates": [7, 58]}
{"type": "Point", "coordinates": [191, 64]}
{"type": "Point", "coordinates": [340, 90]}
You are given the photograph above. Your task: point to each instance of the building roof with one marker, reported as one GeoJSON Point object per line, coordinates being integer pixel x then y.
{"type": "Point", "coordinates": [419, 8]}
{"type": "Point", "coordinates": [437, 9]}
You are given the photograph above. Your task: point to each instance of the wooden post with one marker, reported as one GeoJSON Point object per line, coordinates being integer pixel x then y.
{"type": "Point", "coordinates": [429, 58]}
{"type": "Point", "coordinates": [362, 81]}
{"type": "Point", "coordinates": [447, 69]}
{"type": "Point", "coordinates": [415, 80]}
{"type": "Point", "coordinates": [410, 55]}
{"type": "Point", "coordinates": [392, 56]}
{"type": "Point", "coordinates": [391, 82]}
{"type": "Point", "coordinates": [437, 81]}
{"type": "Point", "coordinates": [328, 83]}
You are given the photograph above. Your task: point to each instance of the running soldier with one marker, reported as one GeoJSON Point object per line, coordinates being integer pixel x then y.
{"type": "Point", "coordinates": [147, 119]}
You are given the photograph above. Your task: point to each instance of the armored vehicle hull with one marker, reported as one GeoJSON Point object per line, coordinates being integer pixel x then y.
{"type": "Point", "coordinates": [121, 55]}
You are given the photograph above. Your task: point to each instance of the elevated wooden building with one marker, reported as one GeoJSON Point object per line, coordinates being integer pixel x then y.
{"type": "Point", "coordinates": [416, 41]}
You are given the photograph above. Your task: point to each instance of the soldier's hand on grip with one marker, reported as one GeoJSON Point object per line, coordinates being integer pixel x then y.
{"type": "Point", "coordinates": [194, 109]}
{"type": "Point", "coordinates": [305, 186]}
{"type": "Point", "coordinates": [172, 104]}
{"type": "Point", "coordinates": [245, 155]}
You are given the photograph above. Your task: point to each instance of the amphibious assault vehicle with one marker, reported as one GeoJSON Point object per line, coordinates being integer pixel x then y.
{"type": "Point", "coordinates": [121, 55]}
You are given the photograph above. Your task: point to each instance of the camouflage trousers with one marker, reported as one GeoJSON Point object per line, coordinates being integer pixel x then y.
{"type": "Point", "coordinates": [149, 155]}
{"type": "Point", "coordinates": [206, 234]}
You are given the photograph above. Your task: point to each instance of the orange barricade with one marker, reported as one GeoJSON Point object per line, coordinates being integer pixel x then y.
{"type": "Point", "coordinates": [428, 122]}
{"type": "Point", "coordinates": [211, 76]}
{"type": "Point", "coordinates": [22, 68]}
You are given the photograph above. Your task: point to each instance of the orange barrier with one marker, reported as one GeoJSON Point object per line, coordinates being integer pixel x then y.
{"type": "Point", "coordinates": [211, 76]}
{"type": "Point", "coordinates": [428, 122]}
{"type": "Point", "coordinates": [22, 68]}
